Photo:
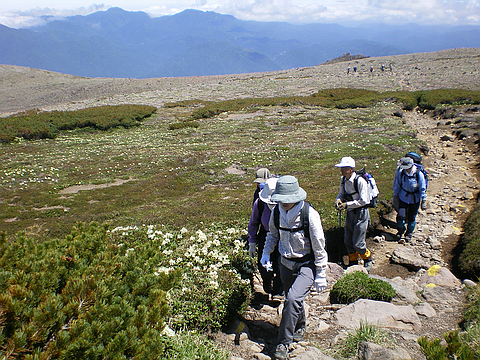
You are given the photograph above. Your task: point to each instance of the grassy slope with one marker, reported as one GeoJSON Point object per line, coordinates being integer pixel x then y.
{"type": "Point", "coordinates": [180, 175]}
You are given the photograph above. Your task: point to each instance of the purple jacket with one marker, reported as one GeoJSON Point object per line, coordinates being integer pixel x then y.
{"type": "Point", "coordinates": [256, 219]}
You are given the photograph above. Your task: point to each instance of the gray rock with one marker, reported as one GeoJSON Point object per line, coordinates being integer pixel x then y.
{"type": "Point", "coordinates": [354, 268]}
{"type": "Point", "coordinates": [440, 276]}
{"type": "Point", "coordinates": [434, 243]}
{"type": "Point", "coordinates": [334, 272]}
{"type": "Point", "coordinates": [439, 295]}
{"type": "Point", "coordinates": [469, 282]}
{"type": "Point", "coordinates": [406, 257]}
{"type": "Point", "coordinates": [403, 295]}
{"type": "Point", "coordinates": [425, 309]}
{"type": "Point", "coordinates": [312, 353]}
{"type": "Point", "coordinates": [371, 351]}
{"type": "Point", "coordinates": [380, 313]}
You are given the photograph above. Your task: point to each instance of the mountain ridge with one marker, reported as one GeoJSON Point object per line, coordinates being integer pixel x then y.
{"type": "Point", "coordinates": [119, 43]}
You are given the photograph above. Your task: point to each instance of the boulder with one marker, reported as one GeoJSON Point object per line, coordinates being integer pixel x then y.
{"type": "Point", "coordinates": [406, 257]}
{"type": "Point", "coordinates": [379, 313]}
{"type": "Point", "coordinates": [439, 295]}
{"type": "Point", "coordinates": [371, 351]}
{"type": "Point", "coordinates": [439, 276]}
{"type": "Point", "coordinates": [403, 295]}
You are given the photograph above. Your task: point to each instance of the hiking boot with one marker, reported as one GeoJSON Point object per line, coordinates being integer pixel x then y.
{"type": "Point", "coordinates": [408, 237]}
{"type": "Point", "coordinates": [281, 352]}
{"type": "Point", "coordinates": [298, 334]}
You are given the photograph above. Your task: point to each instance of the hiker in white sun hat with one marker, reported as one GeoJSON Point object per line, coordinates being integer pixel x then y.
{"type": "Point", "coordinates": [295, 227]}
{"type": "Point", "coordinates": [257, 231]}
{"type": "Point", "coordinates": [353, 197]}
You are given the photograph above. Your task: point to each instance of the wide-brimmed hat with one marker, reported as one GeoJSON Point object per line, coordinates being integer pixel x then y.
{"type": "Point", "coordinates": [406, 163]}
{"type": "Point", "coordinates": [266, 194]}
{"type": "Point", "coordinates": [346, 161]}
{"type": "Point", "coordinates": [262, 175]}
{"type": "Point", "coordinates": [288, 191]}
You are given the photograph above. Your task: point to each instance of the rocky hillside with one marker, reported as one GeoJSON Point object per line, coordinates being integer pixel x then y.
{"type": "Point", "coordinates": [25, 88]}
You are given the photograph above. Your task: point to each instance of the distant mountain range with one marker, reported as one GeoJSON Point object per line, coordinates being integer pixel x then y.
{"type": "Point", "coordinates": [118, 43]}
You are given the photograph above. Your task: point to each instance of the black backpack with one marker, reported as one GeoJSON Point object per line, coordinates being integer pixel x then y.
{"type": "Point", "coordinates": [304, 216]}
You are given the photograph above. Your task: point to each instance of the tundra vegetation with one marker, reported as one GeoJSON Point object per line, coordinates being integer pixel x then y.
{"type": "Point", "coordinates": [109, 272]}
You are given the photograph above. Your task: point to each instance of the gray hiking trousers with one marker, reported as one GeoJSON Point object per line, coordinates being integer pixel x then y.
{"type": "Point", "coordinates": [356, 225]}
{"type": "Point", "coordinates": [297, 284]}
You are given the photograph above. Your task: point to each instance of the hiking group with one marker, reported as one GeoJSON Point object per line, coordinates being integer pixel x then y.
{"type": "Point", "coordinates": [287, 239]}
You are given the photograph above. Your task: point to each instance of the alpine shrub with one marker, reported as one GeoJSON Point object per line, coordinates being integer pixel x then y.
{"type": "Point", "coordinates": [358, 285]}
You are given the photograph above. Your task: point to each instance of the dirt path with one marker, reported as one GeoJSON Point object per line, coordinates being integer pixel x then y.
{"type": "Point", "coordinates": [451, 164]}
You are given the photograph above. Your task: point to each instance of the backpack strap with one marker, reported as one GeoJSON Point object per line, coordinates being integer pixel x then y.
{"type": "Point", "coordinates": [304, 219]}
{"type": "Point", "coordinates": [260, 206]}
{"type": "Point", "coordinates": [404, 174]}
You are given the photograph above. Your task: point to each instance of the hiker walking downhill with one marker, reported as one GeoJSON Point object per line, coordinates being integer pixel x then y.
{"type": "Point", "coordinates": [257, 231]}
{"type": "Point", "coordinates": [302, 261]}
{"type": "Point", "coordinates": [409, 190]}
{"type": "Point", "coordinates": [358, 216]}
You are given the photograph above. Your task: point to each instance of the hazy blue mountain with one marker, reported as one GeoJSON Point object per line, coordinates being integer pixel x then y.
{"type": "Point", "coordinates": [118, 43]}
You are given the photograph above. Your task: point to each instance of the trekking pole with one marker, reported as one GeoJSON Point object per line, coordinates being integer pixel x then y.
{"type": "Point", "coordinates": [339, 242]}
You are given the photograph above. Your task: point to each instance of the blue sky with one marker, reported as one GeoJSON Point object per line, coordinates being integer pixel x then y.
{"type": "Point", "coordinates": [24, 13]}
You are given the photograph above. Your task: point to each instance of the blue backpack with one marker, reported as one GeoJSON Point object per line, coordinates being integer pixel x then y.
{"type": "Point", "coordinates": [417, 159]}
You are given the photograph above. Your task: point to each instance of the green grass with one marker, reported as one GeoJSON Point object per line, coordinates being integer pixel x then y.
{"type": "Point", "coordinates": [347, 348]}
{"type": "Point", "coordinates": [179, 176]}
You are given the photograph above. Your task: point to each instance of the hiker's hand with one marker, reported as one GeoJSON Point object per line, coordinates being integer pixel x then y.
{"type": "Point", "coordinates": [423, 205]}
{"type": "Point", "coordinates": [337, 203]}
{"type": "Point", "coordinates": [320, 284]}
{"type": "Point", "coordinates": [396, 202]}
{"type": "Point", "coordinates": [265, 261]}
{"type": "Point", "coordinates": [252, 250]}
{"type": "Point", "coordinates": [342, 206]}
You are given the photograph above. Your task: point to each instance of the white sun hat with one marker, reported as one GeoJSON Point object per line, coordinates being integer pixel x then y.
{"type": "Point", "coordinates": [346, 161]}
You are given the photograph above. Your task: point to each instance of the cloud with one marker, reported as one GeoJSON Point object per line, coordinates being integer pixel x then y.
{"type": "Point", "coordinates": [426, 12]}
{"type": "Point", "coordinates": [40, 16]}
{"type": "Point", "coordinates": [273, 10]}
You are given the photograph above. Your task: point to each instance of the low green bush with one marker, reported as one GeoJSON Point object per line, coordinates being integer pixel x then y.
{"type": "Point", "coordinates": [429, 100]}
{"type": "Point", "coordinates": [341, 98]}
{"type": "Point", "coordinates": [100, 293]}
{"type": "Point", "coordinates": [358, 285]}
{"type": "Point", "coordinates": [469, 260]}
{"type": "Point", "coordinates": [456, 348]}
{"type": "Point", "coordinates": [34, 125]}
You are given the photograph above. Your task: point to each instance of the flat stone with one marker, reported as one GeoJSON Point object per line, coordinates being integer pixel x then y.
{"type": "Point", "coordinates": [371, 351]}
{"type": "Point", "coordinates": [380, 313]}
{"type": "Point", "coordinates": [406, 257]}
{"type": "Point", "coordinates": [425, 309]}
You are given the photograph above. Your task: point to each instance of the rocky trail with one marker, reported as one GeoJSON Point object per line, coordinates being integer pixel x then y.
{"type": "Point", "coordinates": [417, 309]}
